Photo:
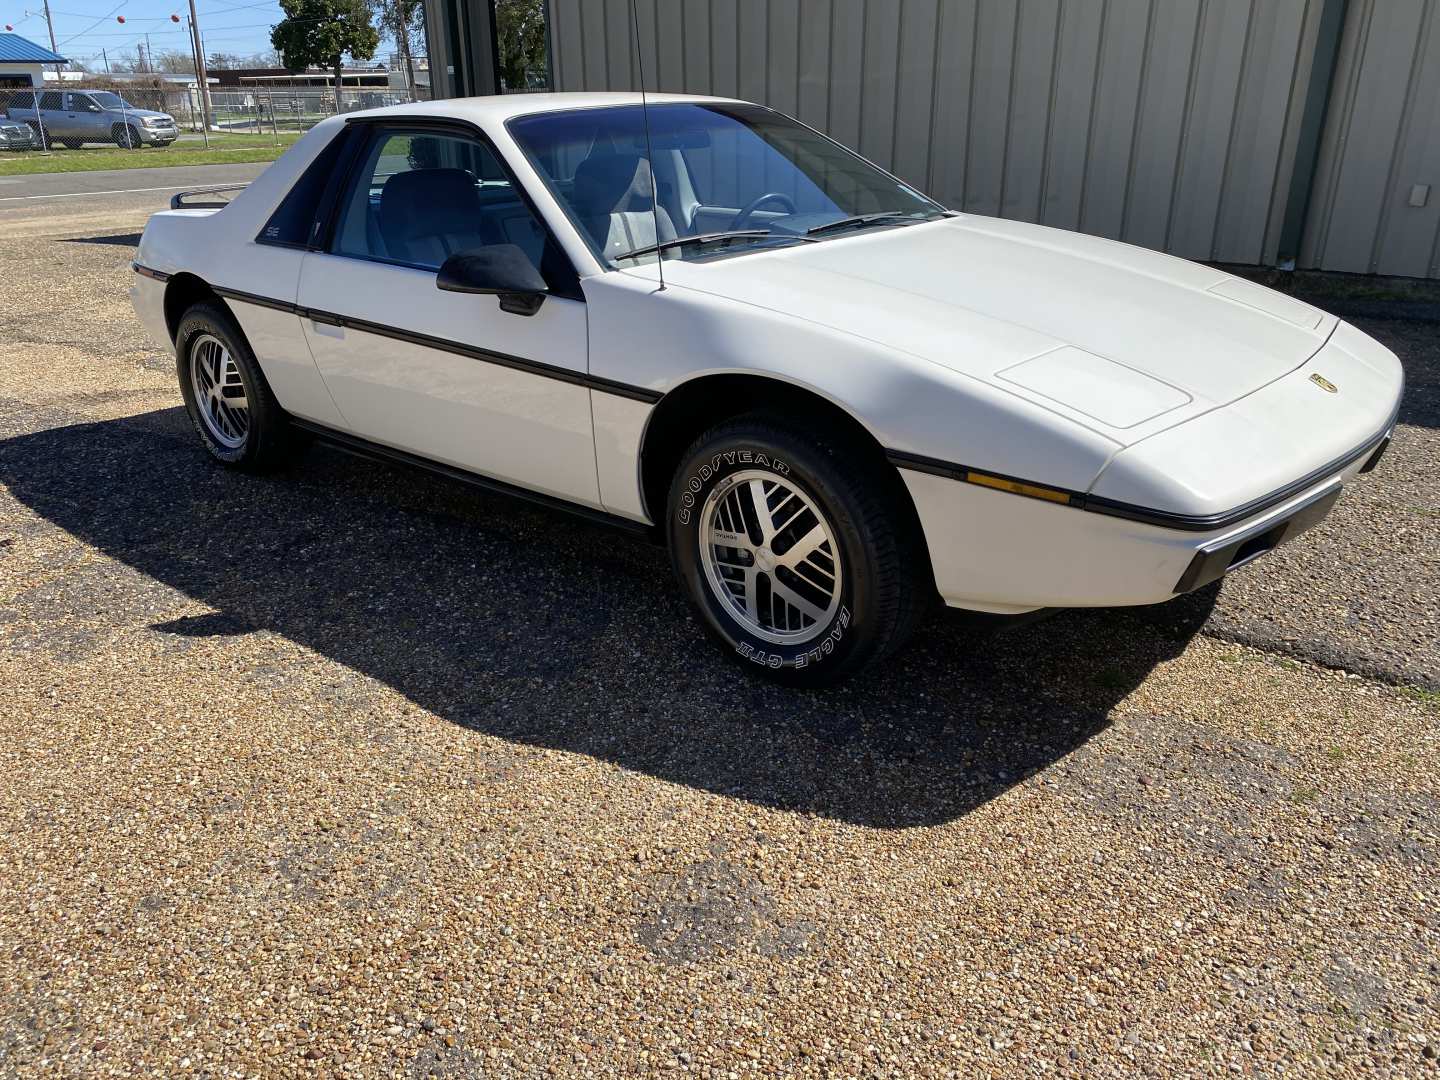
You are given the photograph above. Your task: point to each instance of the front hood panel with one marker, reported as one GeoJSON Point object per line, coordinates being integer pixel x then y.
{"type": "Point", "coordinates": [987, 297]}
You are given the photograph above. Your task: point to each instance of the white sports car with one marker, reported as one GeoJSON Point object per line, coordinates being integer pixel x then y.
{"type": "Point", "coordinates": [835, 399]}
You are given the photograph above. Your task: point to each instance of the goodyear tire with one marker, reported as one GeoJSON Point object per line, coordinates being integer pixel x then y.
{"type": "Point", "coordinates": [230, 404]}
{"type": "Point", "coordinates": [798, 554]}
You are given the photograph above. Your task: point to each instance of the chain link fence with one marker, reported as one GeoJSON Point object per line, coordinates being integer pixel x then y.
{"type": "Point", "coordinates": [295, 108]}
{"type": "Point", "coordinates": [96, 117]}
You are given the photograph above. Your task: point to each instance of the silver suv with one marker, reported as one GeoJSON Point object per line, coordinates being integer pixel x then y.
{"type": "Point", "coordinates": [74, 117]}
{"type": "Point", "coordinates": [16, 136]}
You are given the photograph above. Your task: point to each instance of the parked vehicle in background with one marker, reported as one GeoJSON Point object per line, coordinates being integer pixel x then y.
{"type": "Point", "coordinates": [75, 117]}
{"type": "Point", "coordinates": [17, 136]}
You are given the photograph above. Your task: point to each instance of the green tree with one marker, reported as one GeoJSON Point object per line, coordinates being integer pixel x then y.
{"type": "Point", "coordinates": [321, 33]}
{"type": "Point", "coordinates": [519, 41]}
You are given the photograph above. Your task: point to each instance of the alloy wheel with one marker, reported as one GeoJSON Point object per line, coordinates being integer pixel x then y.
{"type": "Point", "coordinates": [770, 557]}
{"type": "Point", "coordinates": [219, 392]}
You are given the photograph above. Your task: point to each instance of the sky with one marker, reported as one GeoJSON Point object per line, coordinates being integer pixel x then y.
{"type": "Point", "coordinates": [84, 27]}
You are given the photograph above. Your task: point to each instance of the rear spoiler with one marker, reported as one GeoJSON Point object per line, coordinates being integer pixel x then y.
{"type": "Point", "coordinates": [211, 198]}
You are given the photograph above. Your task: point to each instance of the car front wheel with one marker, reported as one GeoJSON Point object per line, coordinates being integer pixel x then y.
{"type": "Point", "coordinates": [230, 404]}
{"type": "Point", "coordinates": [126, 136]}
{"type": "Point", "coordinates": [798, 552]}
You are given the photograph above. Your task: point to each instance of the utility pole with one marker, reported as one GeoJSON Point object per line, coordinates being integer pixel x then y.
{"type": "Point", "coordinates": [149, 55]}
{"type": "Point", "coordinates": [106, 57]}
{"type": "Point", "coordinates": [51, 27]}
{"type": "Point", "coordinates": [201, 79]}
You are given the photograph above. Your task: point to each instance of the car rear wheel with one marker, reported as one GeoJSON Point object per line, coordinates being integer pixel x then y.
{"type": "Point", "coordinates": [797, 552]}
{"type": "Point", "coordinates": [126, 136]}
{"type": "Point", "coordinates": [230, 404]}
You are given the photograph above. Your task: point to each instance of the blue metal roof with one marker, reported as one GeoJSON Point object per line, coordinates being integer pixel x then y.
{"type": "Point", "coordinates": [19, 50]}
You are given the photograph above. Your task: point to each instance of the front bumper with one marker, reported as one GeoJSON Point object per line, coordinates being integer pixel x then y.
{"type": "Point", "coordinates": [1171, 512]}
{"type": "Point", "coordinates": [995, 551]}
{"type": "Point", "coordinates": [159, 136]}
{"type": "Point", "coordinates": [18, 141]}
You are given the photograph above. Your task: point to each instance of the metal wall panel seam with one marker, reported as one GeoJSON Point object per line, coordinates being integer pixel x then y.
{"type": "Point", "coordinates": [895, 100]}
{"type": "Point", "coordinates": [1407, 114]}
{"type": "Point", "coordinates": [1317, 92]}
{"type": "Point", "coordinates": [969, 107]}
{"type": "Point", "coordinates": [1044, 189]}
{"type": "Point", "coordinates": [1241, 85]}
{"type": "Point", "coordinates": [1008, 145]}
{"type": "Point", "coordinates": [934, 90]}
{"type": "Point", "coordinates": [1137, 128]}
{"type": "Point", "coordinates": [1094, 99]}
{"type": "Point", "coordinates": [1359, 45]}
{"type": "Point", "coordinates": [1177, 178]}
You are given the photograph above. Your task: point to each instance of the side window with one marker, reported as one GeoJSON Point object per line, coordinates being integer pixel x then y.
{"type": "Point", "coordinates": [50, 100]}
{"type": "Point", "coordinates": [294, 220]}
{"type": "Point", "coordinates": [418, 197]}
{"type": "Point", "coordinates": [81, 102]}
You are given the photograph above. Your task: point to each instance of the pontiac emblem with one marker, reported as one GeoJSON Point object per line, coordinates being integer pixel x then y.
{"type": "Point", "coordinates": [1324, 383]}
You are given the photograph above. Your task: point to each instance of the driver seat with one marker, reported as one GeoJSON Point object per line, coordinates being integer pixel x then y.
{"type": "Point", "coordinates": [613, 198]}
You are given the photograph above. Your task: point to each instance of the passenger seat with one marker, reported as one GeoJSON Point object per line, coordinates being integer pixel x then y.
{"type": "Point", "coordinates": [427, 215]}
{"type": "Point", "coordinates": [613, 197]}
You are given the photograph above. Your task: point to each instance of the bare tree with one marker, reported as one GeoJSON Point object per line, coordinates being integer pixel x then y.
{"type": "Point", "coordinates": [402, 19]}
{"type": "Point", "coordinates": [174, 62]}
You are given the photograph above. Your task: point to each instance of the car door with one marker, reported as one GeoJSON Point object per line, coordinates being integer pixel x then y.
{"type": "Point", "coordinates": [449, 376]}
{"type": "Point", "coordinates": [76, 121]}
{"type": "Point", "coordinates": [90, 120]}
{"type": "Point", "coordinates": [52, 114]}
{"type": "Point", "coordinates": [65, 124]}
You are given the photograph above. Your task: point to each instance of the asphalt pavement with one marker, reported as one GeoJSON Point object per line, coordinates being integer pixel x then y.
{"type": "Point", "coordinates": [150, 183]}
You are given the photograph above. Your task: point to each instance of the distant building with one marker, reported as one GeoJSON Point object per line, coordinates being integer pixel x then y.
{"type": "Point", "coordinates": [22, 62]}
{"type": "Point", "coordinates": [262, 78]}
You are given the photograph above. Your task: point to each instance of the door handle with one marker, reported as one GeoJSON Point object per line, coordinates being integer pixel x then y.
{"type": "Point", "coordinates": [326, 328]}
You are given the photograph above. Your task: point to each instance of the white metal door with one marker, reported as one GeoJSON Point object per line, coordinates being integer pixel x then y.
{"type": "Point", "coordinates": [451, 377]}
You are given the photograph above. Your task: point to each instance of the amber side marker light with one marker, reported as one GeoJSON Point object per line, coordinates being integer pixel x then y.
{"type": "Point", "coordinates": [1016, 487]}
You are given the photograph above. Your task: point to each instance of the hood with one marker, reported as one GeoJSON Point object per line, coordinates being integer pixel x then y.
{"type": "Point", "coordinates": [1122, 339]}
{"type": "Point", "coordinates": [143, 114]}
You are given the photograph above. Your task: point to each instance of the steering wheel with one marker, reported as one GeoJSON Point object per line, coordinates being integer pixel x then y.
{"type": "Point", "coordinates": [742, 219]}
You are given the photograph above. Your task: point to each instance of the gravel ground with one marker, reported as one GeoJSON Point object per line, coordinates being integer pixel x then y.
{"type": "Point", "coordinates": [349, 771]}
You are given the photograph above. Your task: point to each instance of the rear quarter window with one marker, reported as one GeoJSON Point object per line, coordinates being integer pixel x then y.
{"type": "Point", "coordinates": [294, 221]}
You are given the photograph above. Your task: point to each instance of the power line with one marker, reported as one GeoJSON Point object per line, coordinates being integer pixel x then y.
{"type": "Point", "coordinates": [94, 24]}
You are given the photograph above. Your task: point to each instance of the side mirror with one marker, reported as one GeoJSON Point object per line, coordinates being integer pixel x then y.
{"type": "Point", "coordinates": [501, 270]}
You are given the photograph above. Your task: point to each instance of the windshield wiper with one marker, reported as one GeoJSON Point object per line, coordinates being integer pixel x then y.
{"type": "Point", "coordinates": [860, 219]}
{"type": "Point", "coordinates": [709, 238]}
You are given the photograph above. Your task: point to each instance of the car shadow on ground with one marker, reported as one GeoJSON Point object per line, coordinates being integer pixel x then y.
{"type": "Point", "coordinates": [541, 629]}
{"type": "Point", "coordinates": [131, 239]}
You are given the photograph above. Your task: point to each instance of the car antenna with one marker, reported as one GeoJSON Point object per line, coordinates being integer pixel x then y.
{"type": "Point", "coordinates": [649, 150]}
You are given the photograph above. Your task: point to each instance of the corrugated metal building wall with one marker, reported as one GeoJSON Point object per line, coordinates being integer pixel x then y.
{"type": "Point", "coordinates": [1382, 139]}
{"type": "Point", "coordinates": [1177, 124]}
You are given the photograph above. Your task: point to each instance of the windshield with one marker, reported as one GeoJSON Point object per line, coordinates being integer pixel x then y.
{"type": "Point", "coordinates": [719, 169]}
{"type": "Point", "coordinates": [106, 100]}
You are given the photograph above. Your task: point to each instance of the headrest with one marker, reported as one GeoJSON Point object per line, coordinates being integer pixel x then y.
{"type": "Point", "coordinates": [610, 183]}
{"type": "Point", "coordinates": [427, 201]}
